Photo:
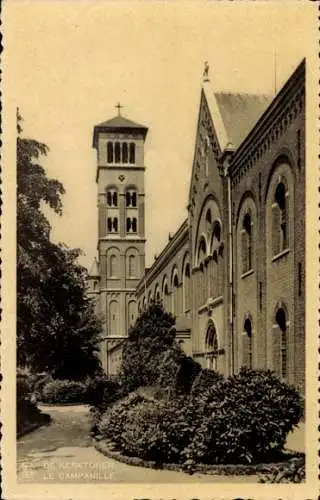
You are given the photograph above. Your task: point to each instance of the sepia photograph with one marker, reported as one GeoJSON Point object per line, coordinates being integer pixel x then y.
{"type": "Point", "coordinates": [160, 314]}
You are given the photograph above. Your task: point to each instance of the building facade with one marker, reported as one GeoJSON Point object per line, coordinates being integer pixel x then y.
{"type": "Point", "coordinates": [233, 273]}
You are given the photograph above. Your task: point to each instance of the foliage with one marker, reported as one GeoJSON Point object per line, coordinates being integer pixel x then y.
{"type": "Point", "coordinates": [204, 381]}
{"type": "Point", "coordinates": [178, 371]}
{"type": "Point", "coordinates": [112, 422]}
{"type": "Point", "coordinates": [27, 412]}
{"type": "Point", "coordinates": [240, 420]}
{"type": "Point", "coordinates": [64, 391]}
{"type": "Point", "coordinates": [143, 351]}
{"type": "Point", "coordinates": [245, 418]}
{"type": "Point", "coordinates": [54, 315]}
{"type": "Point", "coordinates": [293, 473]}
{"type": "Point", "coordinates": [101, 391]}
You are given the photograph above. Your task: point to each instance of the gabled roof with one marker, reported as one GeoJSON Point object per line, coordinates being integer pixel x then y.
{"type": "Point", "coordinates": [234, 114]}
{"type": "Point", "coordinates": [117, 124]}
{"type": "Point", "coordinates": [240, 112]}
{"type": "Point", "coordinates": [120, 122]}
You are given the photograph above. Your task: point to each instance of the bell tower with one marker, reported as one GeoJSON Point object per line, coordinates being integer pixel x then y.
{"type": "Point", "coordinates": [119, 143]}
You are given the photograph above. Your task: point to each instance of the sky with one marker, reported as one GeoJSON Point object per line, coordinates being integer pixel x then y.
{"type": "Point", "coordinates": [71, 62]}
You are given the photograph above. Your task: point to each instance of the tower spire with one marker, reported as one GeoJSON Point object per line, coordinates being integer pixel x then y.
{"type": "Point", "coordinates": [118, 106]}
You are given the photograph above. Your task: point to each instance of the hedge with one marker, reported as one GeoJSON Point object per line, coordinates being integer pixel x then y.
{"type": "Point", "coordinates": [64, 392]}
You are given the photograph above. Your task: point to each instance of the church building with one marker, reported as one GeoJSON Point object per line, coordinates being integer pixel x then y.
{"type": "Point", "coordinates": [233, 272]}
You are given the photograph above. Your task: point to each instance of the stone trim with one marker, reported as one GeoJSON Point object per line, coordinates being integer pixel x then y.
{"type": "Point", "coordinates": [280, 254]}
{"type": "Point", "coordinates": [247, 273]}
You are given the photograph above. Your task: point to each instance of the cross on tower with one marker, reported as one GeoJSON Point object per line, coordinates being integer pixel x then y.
{"type": "Point", "coordinates": [118, 106]}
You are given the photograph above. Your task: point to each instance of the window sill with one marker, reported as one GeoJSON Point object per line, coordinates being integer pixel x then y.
{"type": "Point", "coordinates": [247, 273]}
{"type": "Point", "coordinates": [280, 255]}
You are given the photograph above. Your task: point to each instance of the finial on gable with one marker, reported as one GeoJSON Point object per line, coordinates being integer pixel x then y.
{"type": "Point", "coordinates": [205, 73]}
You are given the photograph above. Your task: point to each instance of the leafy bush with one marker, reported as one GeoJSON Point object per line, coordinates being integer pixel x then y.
{"type": "Point", "coordinates": [64, 391]}
{"type": "Point", "coordinates": [112, 422]}
{"type": "Point", "coordinates": [204, 381]}
{"type": "Point", "coordinates": [293, 473]}
{"type": "Point", "coordinates": [245, 419]}
{"type": "Point", "coordinates": [101, 391]}
{"type": "Point", "coordinates": [157, 430]}
{"type": "Point", "coordinates": [27, 412]}
{"type": "Point", "coordinates": [241, 419]}
{"type": "Point", "coordinates": [178, 371]}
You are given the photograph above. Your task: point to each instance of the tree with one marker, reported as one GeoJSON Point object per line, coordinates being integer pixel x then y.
{"type": "Point", "coordinates": [57, 330]}
{"type": "Point", "coordinates": [143, 352]}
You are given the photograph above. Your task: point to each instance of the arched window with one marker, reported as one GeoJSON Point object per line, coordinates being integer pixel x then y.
{"type": "Point", "coordinates": [166, 297]}
{"type": "Point", "coordinates": [112, 198]}
{"type": "Point", "coordinates": [280, 226]}
{"type": "Point", "coordinates": [110, 152]}
{"type": "Point", "coordinates": [124, 152]}
{"type": "Point", "coordinates": [131, 198]}
{"type": "Point", "coordinates": [247, 344]}
{"type": "Point", "coordinates": [216, 238]}
{"type": "Point", "coordinates": [216, 232]}
{"type": "Point", "coordinates": [112, 224]}
{"type": "Point", "coordinates": [132, 265]}
{"type": "Point", "coordinates": [132, 307]}
{"type": "Point", "coordinates": [211, 346]}
{"type": "Point", "coordinates": [246, 243]}
{"type": "Point", "coordinates": [114, 266]}
{"type": "Point", "coordinates": [132, 152]}
{"type": "Point", "coordinates": [186, 287]}
{"type": "Point", "coordinates": [209, 217]}
{"type": "Point", "coordinates": [175, 287]}
{"type": "Point", "coordinates": [117, 152]}
{"type": "Point", "coordinates": [114, 318]}
{"type": "Point", "coordinates": [281, 355]}
{"type": "Point", "coordinates": [131, 225]}
{"type": "Point", "coordinates": [202, 251]}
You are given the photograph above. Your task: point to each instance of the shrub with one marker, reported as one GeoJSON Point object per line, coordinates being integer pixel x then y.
{"type": "Point", "coordinates": [101, 391]}
{"type": "Point", "coordinates": [157, 430]}
{"type": "Point", "coordinates": [293, 473]}
{"type": "Point", "coordinates": [112, 422]}
{"type": "Point", "coordinates": [64, 391]}
{"type": "Point", "coordinates": [204, 381]}
{"type": "Point", "coordinates": [245, 419]}
{"type": "Point", "coordinates": [27, 412]}
{"type": "Point", "coordinates": [178, 371]}
{"type": "Point", "coordinates": [241, 419]}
